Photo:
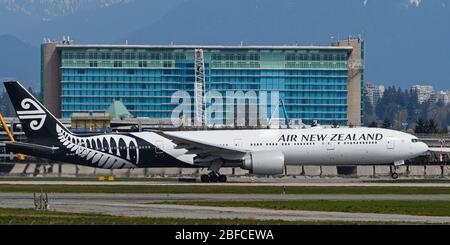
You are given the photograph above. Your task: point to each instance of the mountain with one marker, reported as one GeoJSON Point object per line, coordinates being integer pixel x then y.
{"type": "Point", "coordinates": [86, 21]}
{"type": "Point", "coordinates": [47, 9]}
{"type": "Point", "coordinates": [19, 61]}
{"type": "Point", "coordinates": [407, 41]}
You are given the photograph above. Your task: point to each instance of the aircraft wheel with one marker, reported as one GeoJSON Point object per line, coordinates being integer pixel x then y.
{"type": "Point", "coordinates": [204, 178]}
{"type": "Point", "coordinates": [395, 175]}
{"type": "Point", "coordinates": [213, 178]}
{"type": "Point", "coordinates": [222, 178]}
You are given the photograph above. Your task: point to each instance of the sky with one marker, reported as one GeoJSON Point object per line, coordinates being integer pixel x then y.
{"type": "Point", "coordinates": [407, 41]}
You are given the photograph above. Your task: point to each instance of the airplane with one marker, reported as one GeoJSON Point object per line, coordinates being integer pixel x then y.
{"type": "Point", "coordinates": [261, 151]}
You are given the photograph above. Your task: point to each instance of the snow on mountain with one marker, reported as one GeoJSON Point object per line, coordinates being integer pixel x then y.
{"type": "Point", "coordinates": [47, 9]}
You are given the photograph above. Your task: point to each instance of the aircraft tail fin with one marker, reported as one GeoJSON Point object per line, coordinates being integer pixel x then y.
{"type": "Point", "coordinates": [37, 122]}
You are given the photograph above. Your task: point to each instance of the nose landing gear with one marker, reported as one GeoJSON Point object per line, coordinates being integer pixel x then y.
{"type": "Point", "coordinates": [394, 175]}
{"type": "Point", "coordinates": [397, 164]}
{"type": "Point", "coordinates": [213, 177]}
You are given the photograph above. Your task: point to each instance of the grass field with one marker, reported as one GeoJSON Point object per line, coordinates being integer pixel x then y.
{"type": "Point", "coordinates": [32, 217]}
{"type": "Point", "coordinates": [421, 208]}
{"type": "Point", "coordinates": [173, 189]}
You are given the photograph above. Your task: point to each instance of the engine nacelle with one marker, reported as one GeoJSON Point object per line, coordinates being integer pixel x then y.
{"type": "Point", "coordinates": [264, 163]}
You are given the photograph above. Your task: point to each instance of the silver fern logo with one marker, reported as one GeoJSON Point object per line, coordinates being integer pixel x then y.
{"type": "Point", "coordinates": [37, 115]}
{"type": "Point", "coordinates": [102, 151]}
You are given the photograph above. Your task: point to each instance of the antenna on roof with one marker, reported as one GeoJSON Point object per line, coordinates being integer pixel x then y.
{"type": "Point", "coordinates": [126, 42]}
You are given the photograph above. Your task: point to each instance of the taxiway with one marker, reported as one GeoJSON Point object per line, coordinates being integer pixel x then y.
{"type": "Point", "coordinates": [149, 205]}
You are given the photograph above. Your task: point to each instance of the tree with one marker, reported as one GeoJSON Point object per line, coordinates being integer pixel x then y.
{"type": "Point", "coordinates": [369, 111]}
{"type": "Point", "coordinates": [431, 127]}
{"type": "Point", "coordinates": [373, 124]}
{"type": "Point", "coordinates": [386, 123]}
{"type": "Point", "coordinates": [420, 126]}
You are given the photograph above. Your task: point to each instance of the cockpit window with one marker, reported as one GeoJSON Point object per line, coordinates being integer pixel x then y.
{"type": "Point", "coordinates": [415, 140]}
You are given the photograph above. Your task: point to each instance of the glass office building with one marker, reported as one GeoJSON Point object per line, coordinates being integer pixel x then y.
{"type": "Point", "coordinates": [312, 81]}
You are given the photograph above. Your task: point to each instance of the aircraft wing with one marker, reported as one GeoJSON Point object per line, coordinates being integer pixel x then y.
{"type": "Point", "coordinates": [439, 149]}
{"type": "Point", "coordinates": [204, 151]}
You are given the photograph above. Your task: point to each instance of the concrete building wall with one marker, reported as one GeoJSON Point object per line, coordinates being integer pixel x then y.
{"type": "Point", "coordinates": [50, 78]}
{"type": "Point", "coordinates": [313, 171]}
{"type": "Point", "coordinates": [365, 171]}
{"type": "Point", "coordinates": [293, 170]}
{"type": "Point", "coordinates": [329, 171]}
{"type": "Point", "coordinates": [355, 80]}
{"type": "Point", "coordinates": [68, 170]}
{"type": "Point", "coordinates": [416, 171]}
{"type": "Point", "coordinates": [433, 171]}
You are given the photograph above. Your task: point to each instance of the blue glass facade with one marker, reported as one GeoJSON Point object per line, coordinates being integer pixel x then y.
{"type": "Point", "coordinates": [312, 81]}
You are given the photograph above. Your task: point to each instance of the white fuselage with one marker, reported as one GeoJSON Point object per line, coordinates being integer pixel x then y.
{"type": "Point", "coordinates": [312, 146]}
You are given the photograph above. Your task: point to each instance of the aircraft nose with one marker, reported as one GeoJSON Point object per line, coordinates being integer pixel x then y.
{"type": "Point", "coordinates": [423, 148]}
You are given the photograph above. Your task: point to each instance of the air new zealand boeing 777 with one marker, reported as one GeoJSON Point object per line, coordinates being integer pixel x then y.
{"type": "Point", "coordinates": [262, 151]}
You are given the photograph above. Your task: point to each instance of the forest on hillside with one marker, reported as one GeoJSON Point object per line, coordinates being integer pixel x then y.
{"type": "Point", "coordinates": [399, 109]}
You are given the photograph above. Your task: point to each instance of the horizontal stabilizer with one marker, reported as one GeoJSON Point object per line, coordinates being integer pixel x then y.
{"type": "Point", "coordinates": [30, 149]}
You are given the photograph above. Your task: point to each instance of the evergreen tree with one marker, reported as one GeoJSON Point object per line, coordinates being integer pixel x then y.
{"type": "Point", "coordinates": [386, 123]}
{"type": "Point", "coordinates": [373, 124]}
{"type": "Point", "coordinates": [420, 126]}
{"type": "Point", "coordinates": [402, 106]}
{"type": "Point", "coordinates": [431, 127]}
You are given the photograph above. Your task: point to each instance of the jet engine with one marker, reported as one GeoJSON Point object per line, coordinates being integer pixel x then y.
{"type": "Point", "coordinates": [264, 163]}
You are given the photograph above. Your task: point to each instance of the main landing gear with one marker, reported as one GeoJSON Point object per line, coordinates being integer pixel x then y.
{"type": "Point", "coordinates": [213, 177]}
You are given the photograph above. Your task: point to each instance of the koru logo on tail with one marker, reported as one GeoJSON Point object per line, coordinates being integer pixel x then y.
{"type": "Point", "coordinates": [37, 115]}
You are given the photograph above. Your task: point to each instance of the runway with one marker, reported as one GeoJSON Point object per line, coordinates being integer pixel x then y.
{"type": "Point", "coordinates": [139, 205]}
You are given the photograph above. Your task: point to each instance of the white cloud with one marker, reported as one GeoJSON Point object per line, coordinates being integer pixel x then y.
{"type": "Point", "coordinates": [415, 2]}
{"type": "Point", "coordinates": [405, 3]}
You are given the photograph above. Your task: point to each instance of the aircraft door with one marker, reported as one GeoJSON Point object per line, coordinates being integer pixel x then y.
{"type": "Point", "coordinates": [331, 146]}
{"type": "Point", "coordinates": [331, 151]}
{"type": "Point", "coordinates": [390, 144]}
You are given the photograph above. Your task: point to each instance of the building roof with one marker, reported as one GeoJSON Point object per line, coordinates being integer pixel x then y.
{"type": "Point", "coordinates": [275, 47]}
{"type": "Point", "coordinates": [118, 110]}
